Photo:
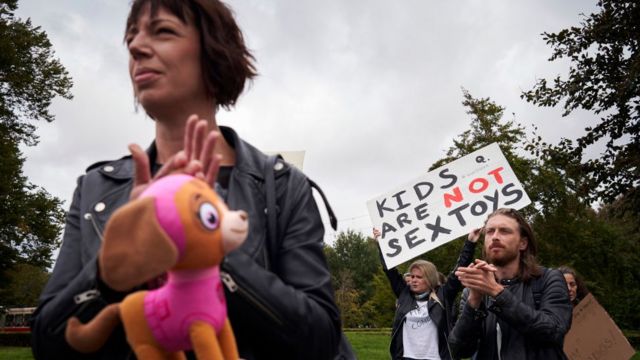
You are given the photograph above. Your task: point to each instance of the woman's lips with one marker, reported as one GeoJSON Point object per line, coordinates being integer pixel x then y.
{"type": "Point", "coordinates": [145, 77]}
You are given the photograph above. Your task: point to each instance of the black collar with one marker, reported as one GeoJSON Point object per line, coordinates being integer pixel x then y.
{"type": "Point", "coordinates": [509, 282]}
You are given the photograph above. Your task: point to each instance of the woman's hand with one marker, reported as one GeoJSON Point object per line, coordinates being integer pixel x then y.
{"type": "Point", "coordinates": [376, 233]}
{"type": "Point", "coordinates": [474, 235]}
{"type": "Point", "coordinates": [199, 146]}
{"type": "Point", "coordinates": [196, 159]}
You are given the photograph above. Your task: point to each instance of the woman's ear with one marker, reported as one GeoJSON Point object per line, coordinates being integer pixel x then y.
{"type": "Point", "coordinates": [135, 248]}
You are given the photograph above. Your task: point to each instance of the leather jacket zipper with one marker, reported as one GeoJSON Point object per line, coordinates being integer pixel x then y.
{"type": "Point", "coordinates": [247, 294]}
{"type": "Point", "coordinates": [79, 300]}
{"type": "Point", "coordinates": [86, 296]}
{"type": "Point", "coordinates": [89, 217]}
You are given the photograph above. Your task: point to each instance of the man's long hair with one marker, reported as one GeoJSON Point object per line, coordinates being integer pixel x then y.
{"type": "Point", "coordinates": [528, 266]}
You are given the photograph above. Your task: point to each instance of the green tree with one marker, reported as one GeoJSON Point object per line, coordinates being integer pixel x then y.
{"type": "Point", "coordinates": [487, 126]}
{"type": "Point", "coordinates": [30, 77]}
{"type": "Point", "coordinates": [602, 246]}
{"type": "Point", "coordinates": [380, 308]}
{"type": "Point", "coordinates": [25, 285]}
{"type": "Point", "coordinates": [604, 77]}
{"type": "Point", "coordinates": [358, 256]}
{"type": "Point", "coordinates": [354, 262]}
{"type": "Point", "coordinates": [347, 298]}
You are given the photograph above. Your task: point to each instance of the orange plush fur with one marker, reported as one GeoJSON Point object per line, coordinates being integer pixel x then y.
{"type": "Point", "coordinates": [136, 249]}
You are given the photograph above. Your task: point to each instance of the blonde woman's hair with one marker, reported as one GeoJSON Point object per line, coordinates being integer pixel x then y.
{"type": "Point", "coordinates": [430, 273]}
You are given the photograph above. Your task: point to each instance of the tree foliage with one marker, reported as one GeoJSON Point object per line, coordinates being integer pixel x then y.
{"type": "Point", "coordinates": [487, 126]}
{"type": "Point", "coordinates": [601, 245]}
{"type": "Point", "coordinates": [604, 77]}
{"type": "Point", "coordinates": [355, 267]}
{"type": "Point", "coordinates": [30, 77]}
{"type": "Point", "coordinates": [380, 308]}
{"type": "Point", "coordinates": [355, 254]}
{"type": "Point", "coordinates": [24, 286]}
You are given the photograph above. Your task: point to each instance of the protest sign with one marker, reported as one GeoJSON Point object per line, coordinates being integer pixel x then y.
{"type": "Point", "coordinates": [594, 335]}
{"type": "Point", "coordinates": [444, 204]}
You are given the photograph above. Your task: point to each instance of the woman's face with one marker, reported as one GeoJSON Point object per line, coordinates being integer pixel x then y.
{"type": "Point", "coordinates": [418, 283]}
{"type": "Point", "coordinates": [572, 285]}
{"type": "Point", "coordinates": [164, 61]}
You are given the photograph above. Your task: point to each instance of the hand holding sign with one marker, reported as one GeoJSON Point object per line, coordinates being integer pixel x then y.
{"type": "Point", "coordinates": [444, 204]}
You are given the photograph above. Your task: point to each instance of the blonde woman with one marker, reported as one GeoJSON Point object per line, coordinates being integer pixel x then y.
{"type": "Point", "coordinates": [425, 306]}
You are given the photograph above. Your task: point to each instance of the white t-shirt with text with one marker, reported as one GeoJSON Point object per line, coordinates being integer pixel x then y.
{"type": "Point", "coordinates": [420, 334]}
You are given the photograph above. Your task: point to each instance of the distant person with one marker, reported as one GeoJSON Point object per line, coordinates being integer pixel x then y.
{"type": "Point", "coordinates": [514, 308]}
{"type": "Point", "coordinates": [424, 306]}
{"type": "Point", "coordinates": [577, 289]}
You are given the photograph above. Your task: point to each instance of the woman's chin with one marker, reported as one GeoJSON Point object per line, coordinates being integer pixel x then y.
{"type": "Point", "coordinates": [152, 104]}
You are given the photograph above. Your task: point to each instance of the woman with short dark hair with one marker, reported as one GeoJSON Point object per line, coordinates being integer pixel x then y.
{"type": "Point", "coordinates": [187, 58]}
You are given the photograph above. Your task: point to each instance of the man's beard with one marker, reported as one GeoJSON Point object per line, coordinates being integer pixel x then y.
{"type": "Point", "coordinates": [503, 259]}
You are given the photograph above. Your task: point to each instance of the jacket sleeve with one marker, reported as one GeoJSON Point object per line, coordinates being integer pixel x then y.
{"type": "Point", "coordinates": [453, 286]}
{"type": "Point", "coordinates": [396, 281]}
{"type": "Point", "coordinates": [297, 299]}
{"type": "Point", "coordinates": [546, 326]}
{"type": "Point", "coordinates": [69, 278]}
{"type": "Point", "coordinates": [465, 336]}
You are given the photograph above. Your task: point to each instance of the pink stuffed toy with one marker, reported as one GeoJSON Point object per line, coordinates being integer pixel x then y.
{"type": "Point", "coordinates": [177, 224]}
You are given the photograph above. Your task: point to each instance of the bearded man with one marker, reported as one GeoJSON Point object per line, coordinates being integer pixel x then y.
{"type": "Point", "coordinates": [512, 308]}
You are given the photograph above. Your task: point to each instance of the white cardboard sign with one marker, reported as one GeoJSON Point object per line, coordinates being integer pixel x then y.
{"type": "Point", "coordinates": [444, 204]}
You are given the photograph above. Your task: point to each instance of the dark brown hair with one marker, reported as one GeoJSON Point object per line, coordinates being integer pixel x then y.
{"type": "Point", "coordinates": [529, 266]}
{"type": "Point", "coordinates": [581, 290]}
{"type": "Point", "coordinates": [226, 62]}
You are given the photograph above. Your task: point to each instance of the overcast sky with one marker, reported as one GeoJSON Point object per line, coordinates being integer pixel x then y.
{"type": "Point", "coordinates": [370, 89]}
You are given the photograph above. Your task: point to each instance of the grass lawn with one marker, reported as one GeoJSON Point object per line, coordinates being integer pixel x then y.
{"type": "Point", "coordinates": [369, 345]}
{"type": "Point", "coordinates": [15, 353]}
{"type": "Point", "coordinates": [374, 345]}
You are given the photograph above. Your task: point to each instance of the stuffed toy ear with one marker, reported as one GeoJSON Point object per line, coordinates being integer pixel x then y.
{"type": "Point", "coordinates": [135, 247]}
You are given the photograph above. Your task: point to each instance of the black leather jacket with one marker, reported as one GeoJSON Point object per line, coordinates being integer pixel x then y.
{"type": "Point", "coordinates": [285, 312]}
{"type": "Point", "coordinates": [441, 315]}
{"type": "Point", "coordinates": [526, 332]}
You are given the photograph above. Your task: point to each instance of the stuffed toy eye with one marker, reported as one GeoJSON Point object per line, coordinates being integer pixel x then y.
{"type": "Point", "coordinates": [208, 216]}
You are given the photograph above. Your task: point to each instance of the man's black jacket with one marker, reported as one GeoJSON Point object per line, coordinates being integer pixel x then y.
{"type": "Point", "coordinates": [526, 332]}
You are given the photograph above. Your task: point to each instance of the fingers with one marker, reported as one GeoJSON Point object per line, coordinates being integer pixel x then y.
{"type": "Point", "coordinates": [142, 172]}
{"type": "Point", "coordinates": [199, 136]}
{"type": "Point", "coordinates": [189, 132]}
{"type": "Point", "coordinates": [483, 265]}
{"type": "Point", "coordinates": [474, 235]}
{"type": "Point", "coordinates": [199, 150]}
{"type": "Point", "coordinates": [176, 162]}
{"type": "Point", "coordinates": [141, 165]}
{"type": "Point", "coordinates": [376, 233]}
{"type": "Point", "coordinates": [194, 168]}
{"type": "Point", "coordinates": [194, 137]}
{"type": "Point", "coordinates": [210, 160]}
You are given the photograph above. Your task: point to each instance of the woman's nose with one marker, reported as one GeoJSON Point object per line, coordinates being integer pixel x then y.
{"type": "Point", "coordinates": [138, 46]}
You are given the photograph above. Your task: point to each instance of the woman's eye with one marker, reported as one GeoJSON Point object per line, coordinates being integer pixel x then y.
{"type": "Point", "coordinates": [208, 216]}
{"type": "Point", "coordinates": [165, 30]}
